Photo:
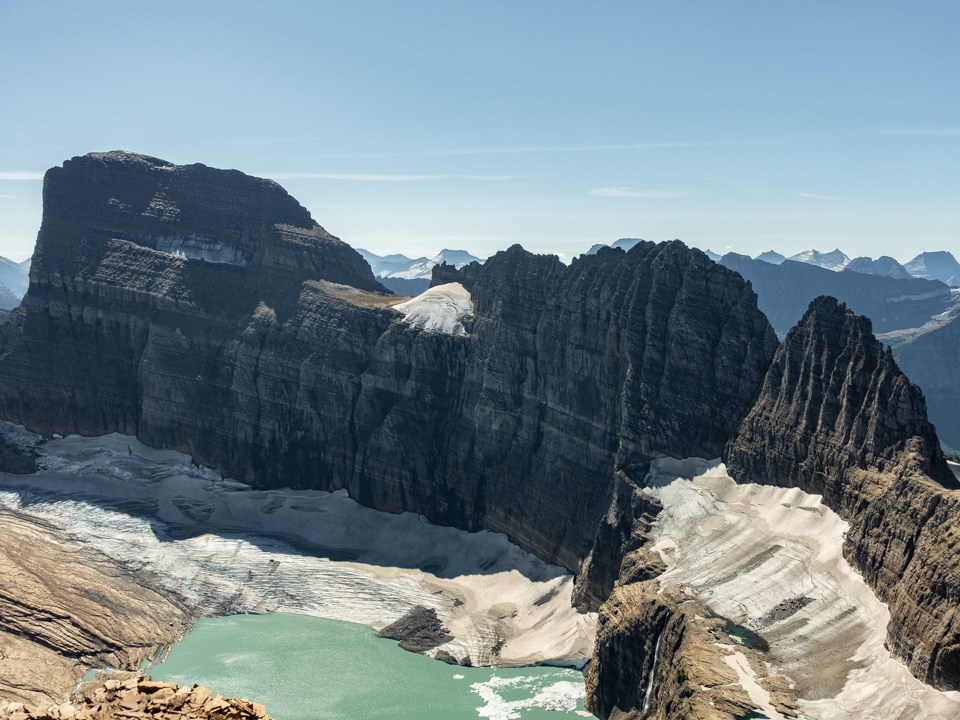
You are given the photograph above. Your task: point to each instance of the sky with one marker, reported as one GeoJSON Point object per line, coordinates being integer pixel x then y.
{"type": "Point", "coordinates": [418, 125]}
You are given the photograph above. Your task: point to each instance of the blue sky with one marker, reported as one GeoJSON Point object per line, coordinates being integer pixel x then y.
{"type": "Point", "coordinates": [411, 126]}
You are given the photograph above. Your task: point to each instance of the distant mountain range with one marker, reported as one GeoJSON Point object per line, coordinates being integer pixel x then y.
{"type": "Point", "coordinates": [883, 265]}
{"type": "Point", "coordinates": [835, 260]}
{"type": "Point", "coordinates": [930, 356]}
{"type": "Point", "coordinates": [14, 280]}
{"type": "Point", "coordinates": [784, 292]}
{"type": "Point", "coordinates": [411, 276]}
{"type": "Point", "coordinates": [940, 265]}
{"type": "Point", "coordinates": [627, 243]}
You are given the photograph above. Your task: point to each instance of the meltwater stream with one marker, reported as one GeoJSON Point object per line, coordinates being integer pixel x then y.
{"type": "Point", "coordinates": [303, 668]}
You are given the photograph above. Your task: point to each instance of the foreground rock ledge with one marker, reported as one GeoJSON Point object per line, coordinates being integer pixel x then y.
{"type": "Point", "coordinates": [134, 695]}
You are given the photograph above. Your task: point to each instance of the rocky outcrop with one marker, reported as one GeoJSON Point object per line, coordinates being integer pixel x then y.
{"type": "Point", "coordinates": [418, 631]}
{"type": "Point", "coordinates": [836, 417]}
{"type": "Point", "coordinates": [784, 291]}
{"type": "Point", "coordinates": [135, 695]}
{"type": "Point", "coordinates": [65, 607]}
{"type": "Point", "coordinates": [203, 310]}
{"type": "Point", "coordinates": [663, 656]}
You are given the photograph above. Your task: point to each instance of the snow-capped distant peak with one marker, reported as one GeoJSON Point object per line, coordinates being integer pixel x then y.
{"type": "Point", "coordinates": [835, 260]}
{"type": "Point", "coordinates": [771, 256]}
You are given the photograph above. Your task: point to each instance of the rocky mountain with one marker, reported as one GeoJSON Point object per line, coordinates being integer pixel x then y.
{"type": "Point", "coordinates": [627, 243]}
{"type": "Point", "coordinates": [940, 265]}
{"type": "Point", "coordinates": [930, 356]}
{"type": "Point", "coordinates": [835, 260]}
{"type": "Point", "coordinates": [784, 291]}
{"type": "Point", "coordinates": [8, 300]}
{"type": "Point", "coordinates": [770, 256]}
{"type": "Point", "coordinates": [623, 243]}
{"type": "Point", "coordinates": [411, 276]}
{"type": "Point", "coordinates": [204, 310]}
{"type": "Point", "coordinates": [883, 265]}
{"type": "Point", "coordinates": [838, 418]}
{"type": "Point", "coordinates": [14, 277]}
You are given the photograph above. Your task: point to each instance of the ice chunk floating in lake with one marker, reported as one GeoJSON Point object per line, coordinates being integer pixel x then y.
{"type": "Point", "coordinates": [441, 309]}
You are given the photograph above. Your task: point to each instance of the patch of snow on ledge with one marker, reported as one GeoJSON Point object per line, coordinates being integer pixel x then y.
{"type": "Point", "coordinates": [441, 309]}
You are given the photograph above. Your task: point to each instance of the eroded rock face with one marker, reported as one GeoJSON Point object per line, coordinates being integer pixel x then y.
{"type": "Point", "coordinates": [837, 417]}
{"type": "Point", "coordinates": [661, 655]}
{"type": "Point", "coordinates": [65, 607]}
{"type": "Point", "coordinates": [203, 310]}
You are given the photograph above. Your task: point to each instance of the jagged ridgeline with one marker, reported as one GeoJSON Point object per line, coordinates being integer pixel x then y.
{"type": "Point", "coordinates": [204, 310]}
{"type": "Point", "coordinates": [838, 418]}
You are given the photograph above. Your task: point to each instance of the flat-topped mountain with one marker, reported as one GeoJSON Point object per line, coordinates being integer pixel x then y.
{"type": "Point", "coordinates": [883, 265]}
{"type": "Point", "coordinates": [939, 265]}
{"type": "Point", "coordinates": [204, 310]}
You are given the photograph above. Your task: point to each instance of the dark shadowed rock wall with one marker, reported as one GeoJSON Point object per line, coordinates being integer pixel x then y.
{"type": "Point", "coordinates": [204, 310]}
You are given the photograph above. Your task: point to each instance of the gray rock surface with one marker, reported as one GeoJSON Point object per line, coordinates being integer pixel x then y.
{"type": "Point", "coordinates": [289, 369]}
{"type": "Point", "coordinates": [838, 418]}
{"type": "Point", "coordinates": [418, 631]}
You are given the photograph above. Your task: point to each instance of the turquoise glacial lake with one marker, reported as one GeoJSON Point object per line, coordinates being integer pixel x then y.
{"type": "Point", "coordinates": [305, 668]}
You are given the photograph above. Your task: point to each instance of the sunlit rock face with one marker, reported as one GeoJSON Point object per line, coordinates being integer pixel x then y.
{"type": "Point", "coordinates": [838, 418]}
{"type": "Point", "coordinates": [293, 369]}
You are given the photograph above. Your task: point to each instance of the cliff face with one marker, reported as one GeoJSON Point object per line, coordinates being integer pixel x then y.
{"type": "Point", "coordinates": [837, 417]}
{"type": "Point", "coordinates": [203, 310]}
{"type": "Point", "coordinates": [662, 656]}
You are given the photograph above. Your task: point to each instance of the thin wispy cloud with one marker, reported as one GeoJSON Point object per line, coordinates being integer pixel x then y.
{"type": "Point", "coordinates": [629, 192]}
{"type": "Point", "coordinates": [816, 196]}
{"type": "Point", "coordinates": [928, 130]}
{"type": "Point", "coordinates": [5, 196]}
{"type": "Point", "coordinates": [20, 175]}
{"type": "Point", "coordinates": [529, 149]}
{"type": "Point", "coordinates": [368, 177]}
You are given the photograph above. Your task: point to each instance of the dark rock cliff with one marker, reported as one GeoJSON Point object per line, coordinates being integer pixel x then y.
{"type": "Point", "coordinates": [837, 417]}
{"type": "Point", "coordinates": [204, 310]}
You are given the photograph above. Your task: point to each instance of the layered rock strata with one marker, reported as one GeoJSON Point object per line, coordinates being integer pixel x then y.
{"type": "Point", "coordinates": [65, 607]}
{"type": "Point", "coordinates": [836, 417]}
{"type": "Point", "coordinates": [205, 311]}
{"type": "Point", "coordinates": [662, 655]}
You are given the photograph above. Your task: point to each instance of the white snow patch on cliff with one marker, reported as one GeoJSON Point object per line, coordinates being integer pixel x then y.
{"type": "Point", "coordinates": [441, 309]}
{"type": "Point", "coordinates": [771, 559]}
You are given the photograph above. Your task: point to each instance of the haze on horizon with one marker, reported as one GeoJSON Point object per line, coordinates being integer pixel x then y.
{"type": "Point", "coordinates": [411, 127]}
